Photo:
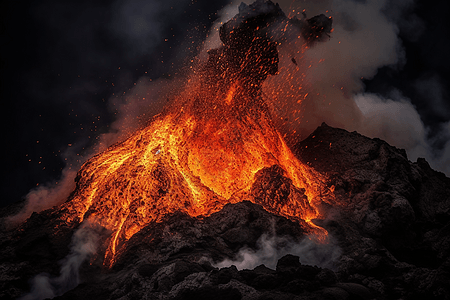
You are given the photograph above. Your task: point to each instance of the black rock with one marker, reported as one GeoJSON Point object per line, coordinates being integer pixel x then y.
{"type": "Point", "coordinates": [389, 218]}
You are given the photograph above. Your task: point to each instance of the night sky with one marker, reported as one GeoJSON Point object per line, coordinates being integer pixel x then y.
{"type": "Point", "coordinates": [63, 62]}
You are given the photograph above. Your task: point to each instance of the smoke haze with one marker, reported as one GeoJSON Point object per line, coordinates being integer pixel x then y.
{"type": "Point", "coordinates": [329, 83]}
{"type": "Point", "coordinates": [271, 249]}
{"type": "Point", "coordinates": [133, 110]}
{"type": "Point", "coordinates": [83, 246]}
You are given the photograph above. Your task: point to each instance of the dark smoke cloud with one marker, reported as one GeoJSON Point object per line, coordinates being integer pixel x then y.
{"type": "Point", "coordinates": [366, 77]}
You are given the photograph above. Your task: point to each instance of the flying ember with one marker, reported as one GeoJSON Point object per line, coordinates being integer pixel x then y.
{"type": "Point", "coordinates": [210, 145]}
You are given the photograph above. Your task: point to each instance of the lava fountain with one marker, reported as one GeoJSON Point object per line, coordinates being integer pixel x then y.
{"type": "Point", "coordinates": [206, 149]}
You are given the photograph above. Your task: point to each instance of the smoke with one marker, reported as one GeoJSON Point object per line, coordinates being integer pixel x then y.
{"type": "Point", "coordinates": [327, 85]}
{"type": "Point", "coordinates": [138, 24]}
{"type": "Point", "coordinates": [83, 245]}
{"type": "Point", "coordinates": [394, 120]}
{"type": "Point", "coordinates": [330, 73]}
{"type": "Point", "coordinates": [441, 160]}
{"type": "Point", "coordinates": [397, 121]}
{"type": "Point", "coordinates": [46, 196]}
{"type": "Point", "coordinates": [271, 249]}
{"type": "Point", "coordinates": [133, 31]}
{"type": "Point", "coordinates": [431, 87]}
{"type": "Point", "coordinates": [135, 107]}
{"type": "Point", "coordinates": [212, 40]}
{"type": "Point", "coordinates": [326, 82]}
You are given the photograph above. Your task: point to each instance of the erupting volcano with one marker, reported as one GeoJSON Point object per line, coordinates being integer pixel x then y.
{"type": "Point", "coordinates": [206, 149]}
{"type": "Point", "coordinates": [209, 200]}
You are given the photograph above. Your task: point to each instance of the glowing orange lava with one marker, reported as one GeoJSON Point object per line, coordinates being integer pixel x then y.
{"type": "Point", "coordinates": [201, 154]}
{"type": "Point", "coordinates": [188, 160]}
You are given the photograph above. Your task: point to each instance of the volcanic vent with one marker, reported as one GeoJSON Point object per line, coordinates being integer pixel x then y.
{"type": "Point", "coordinates": [209, 146]}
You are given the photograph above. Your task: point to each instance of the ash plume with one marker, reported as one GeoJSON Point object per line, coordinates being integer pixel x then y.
{"type": "Point", "coordinates": [45, 197]}
{"type": "Point", "coordinates": [83, 246]}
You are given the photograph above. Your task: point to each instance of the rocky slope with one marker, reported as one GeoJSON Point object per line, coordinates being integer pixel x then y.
{"type": "Point", "coordinates": [388, 224]}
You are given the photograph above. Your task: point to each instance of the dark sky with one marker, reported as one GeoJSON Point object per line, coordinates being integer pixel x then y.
{"type": "Point", "coordinates": [425, 76]}
{"type": "Point", "coordinates": [61, 62]}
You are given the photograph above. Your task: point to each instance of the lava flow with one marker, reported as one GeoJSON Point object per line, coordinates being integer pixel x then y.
{"type": "Point", "coordinates": [208, 147]}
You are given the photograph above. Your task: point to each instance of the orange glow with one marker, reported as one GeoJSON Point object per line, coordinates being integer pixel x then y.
{"type": "Point", "coordinates": [193, 162]}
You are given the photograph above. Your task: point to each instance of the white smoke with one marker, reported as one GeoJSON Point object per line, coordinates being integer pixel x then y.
{"type": "Point", "coordinates": [137, 27]}
{"type": "Point", "coordinates": [135, 107]}
{"type": "Point", "coordinates": [83, 245]}
{"type": "Point", "coordinates": [271, 249]}
{"type": "Point", "coordinates": [327, 85]}
{"type": "Point", "coordinates": [395, 121]}
{"type": "Point", "coordinates": [46, 196]}
{"type": "Point", "coordinates": [213, 41]}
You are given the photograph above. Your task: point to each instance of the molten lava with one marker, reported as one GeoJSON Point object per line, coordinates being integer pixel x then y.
{"type": "Point", "coordinates": [203, 152]}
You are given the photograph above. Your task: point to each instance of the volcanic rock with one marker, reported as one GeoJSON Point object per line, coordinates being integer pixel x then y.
{"type": "Point", "coordinates": [390, 218]}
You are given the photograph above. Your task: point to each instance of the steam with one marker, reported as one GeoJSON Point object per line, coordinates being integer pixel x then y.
{"type": "Point", "coordinates": [134, 108]}
{"type": "Point", "coordinates": [327, 85]}
{"type": "Point", "coordinates": [395, 121]}
{"type": "Point", "coordinates": [45, 196]}
{"type": "Point", "coordinates": [83, 245]}
{"type": "Point", "coordinates": [271, 249]}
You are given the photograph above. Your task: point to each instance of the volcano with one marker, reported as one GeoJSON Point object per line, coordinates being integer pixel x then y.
{"type": "Point", "coordinates": [210, 200]}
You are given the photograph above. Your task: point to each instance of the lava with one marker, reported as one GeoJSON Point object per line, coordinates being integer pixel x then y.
{"type": "Point", "coordinates": [207, 148]}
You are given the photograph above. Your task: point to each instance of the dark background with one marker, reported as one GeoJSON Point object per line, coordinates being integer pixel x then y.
{"type": "Point", "coordinates": [59, 61]}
